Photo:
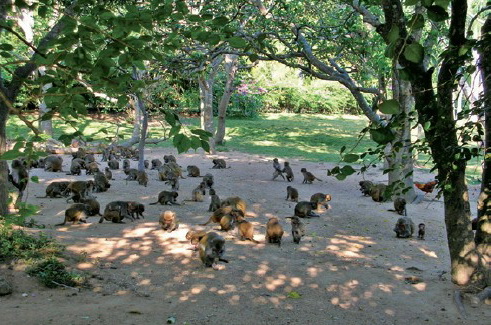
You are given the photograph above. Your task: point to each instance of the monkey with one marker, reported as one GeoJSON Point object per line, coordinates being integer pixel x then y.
{"type": "Point", "coordinates": [288, 171]}
{"type": "Point", "coordinates": [156, 163]}
{"type": "Point", "coordinates": [126, 164]}
{"type": "Point", "coordinates": [308, 177]}
{"type": "Point", "coordinates": [169, 158]}
{"type": "Point", "coordinates": [81, 162]}
{"type": "Point", "coordinates": [421, 231]}
{"type": "Point", "coordinates": [41, 163]}
{"type": "Point", "coordinates": [304, 209]}
{"type": "Point", "coordinates": [227, 222]}
{"type": "Point", "coordinates": [80, 190]}
{"type": "Point", "coordinates": [219, 164]}
{"type": "Point", "coordinates": [93, 207]}
{"type": "Point", "coordinates": [175, 168]}
{"type": "Point", "coordinates": [168, 221]}
{"type": "Point", "coordinates": [235, 202]}
{"type": "Point", "coordinates": [215, 201]}
{"type": "Point", "coordinates": [101, 182]}
{"type": "Point", "coordinates": [173, 181]}
{"type": "Point", "coordinates": [274, 231]}
{"type": "Point", "coordinates": [208, 179]}
{"type": "Point", "coordinates": [194, 236]}
{"type": "Point", "coordinates": [136, 208]}
{"type": "Point", "coordinates": [365, 187]}
{"type": "Point", "coordinates": [108, 173]}
{"type": "Point", "coordinates": [112, 215]}
{"type": "Point", "coordinates": [19, 177]}
{"type": "Point", "coordinates": [56, 189]}
{"type": "Point", "coordinates": [399, 206]}
{"type": "Point", "coordinates": [146, 163]}
{"type": "Point", "coordinates": [142, 178]}
{"type": "Point", "coordinates": [211, 249]}
{"type": "Point", "coordinates": [404, 227]}
{"type": "Point", "coordinates": [298, 229]}
{"type": "Point", "coordinates": [89, 158]}
{"type": "Point", "coordinates": [92, 168]}
{"type": "Point", "coordinates": [321, 199]}
{"type": "Point", "coordinates": [377, 192]}
{"type": "Point", "coordinates": [198, 192]}
{"type": "Point", "coordinates": [113, 164]}
{"type": "Point", "coordinates": [132, 174]}
{"type": "Point", "coordinates": [80, 153]}
{"type": "Point", "coordinates": [166, 197]}
{"type": "Point", "coordinates": [122, 207]}
{"type": "Point", "coordinates": [277, 169]}
{"type": "Point", "coordinates": [291, 193]}
{"type": "Point", "coordinates": [53, 163]}
{"type": "Point", "coordinates": [245, 230]}
{"type": "Point", "coordinates": [193, 171]}
{"type": "Point", "coordinates": [76, 213]}
{"type": "Point", "coordinates": [218, 215]}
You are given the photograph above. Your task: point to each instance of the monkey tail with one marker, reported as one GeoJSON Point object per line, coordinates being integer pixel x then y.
{"type": "Point", "coordinates": [318, 179]}
{"type": "Point", "coordinates": [222, 260]}
{"type": "Point", "coordinates": [154, 203]}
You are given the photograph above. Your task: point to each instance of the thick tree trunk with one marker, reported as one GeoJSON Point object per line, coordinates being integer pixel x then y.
{"type": "Point", "coordinates": [206, 108]}
{"type": "Point", "coordinates": [3, 163]}
{"type": "Point", "coordinates": [231, 65]}
{"type": "Point", "coordinates": [143, 135]}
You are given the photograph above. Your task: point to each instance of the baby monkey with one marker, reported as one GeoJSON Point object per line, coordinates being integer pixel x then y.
{"type": "Point", "coordinates": [421, 231]}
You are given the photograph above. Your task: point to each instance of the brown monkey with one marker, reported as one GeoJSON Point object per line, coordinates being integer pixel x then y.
{"type": "Point", "coordinates": [308, 177]}
{"type": "Point", "coordinates": [101, 182]}
{"type": "Point", "coordinates": [112, 215]}
{"type": "Point", "coordinates": [194, 236]}
{"type": "Point", "coordinates": [75, 168]}
{"type": "Point", "coordinates": [211, 249]}
{"type": "Point", "coordinates": [56, 189]}
{"type": "Point", "coordinates": [215, 201]}
{"type": "Point", "coordinates": [399, 206]}
{"type": "Point", "coordinates": [132, 174]}
{"type": "Point", "coordinates": [53, 163]}
{"type": "Point", "coordinates": [197, 193]}
{"type": "Point", "coordinates": [166, 197]}
{"type": "Point", "coordinates": [365, 187]}
{"type": "Point", "coordinates": [227, 222]}
{"type": "Point", "coordinates": [76, 213]}
{"type": "Point", "coordinates": [81, 162]}
{"type": "Point", "coordinates": [175, 168]}
{"type": "Point", "coordinates": [108, 173]}
{"type": "Point", "coordinates": [122, 207]}
{"type": "Point", "coordinates": [169, 158]}
{"type": "Point", "coordinates": [93, 207]}
{"type": "Point", "coordinates": [126, 164]}
{"type": "Point", "coordinates": [79, 190]}
{"type": "Point", "coordinates": [274, 231]}
{"type": "Point", "coordinates": [19, 176]}
{"type": "Point", "coordinates": [235, 202]}
{"type": "Point", "coordinates": [291, 193]}
{"type": "Point", "coordinates": [288, 171]}
{"type": "Point", "coordinates": [218, 215]}
{"type": "Point", "coordinates": [377, 192]}
{"type": "Point", "coordinates": [245, 229]}
{"type": "Point", "coordinates": [81, 153]}
{"type": "Point", "coordinates": [277, 169]}
{"type": "Point", "coordinates": [304, 209]}
{"type": "Point", "coordinates": [208, 179]}
{"type": "Point", "coordinates": [298, 229]}
{"type": "Point", "coordinates": [136, 208]}
{"type": "Point", "coordinates": [41, 163]}
{"type": "Point", "coordinates": [404, 227]}
{"type": "Point", "coordinates": [156, 164]}
{"type": "Point", "coordinates": [173, 181]}
{"type": "Point", "coordinates": [193, 171]}
{"type": "Point", "coordinates": [146, 163]}
{"type": "Point", "coordinates": [321, 199]}
{"type": "Point", "coordinates": [219, 164]}
{"type": "Point", "coordinates": [142, 178]}
{"type": "Point", "coordinates": [421, 231]}
{"type": "Point", "coordinates": [89, 158]}
{"type": "Point", "coordinates": [113, 164]}
{"type": "Point", "coordinates": [168, 221]}
{"type": "Point", "coordinates": [92, 168]}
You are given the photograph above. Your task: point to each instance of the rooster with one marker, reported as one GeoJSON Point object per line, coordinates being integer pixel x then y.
{"type": "Point", "coordinates": [426, 187]}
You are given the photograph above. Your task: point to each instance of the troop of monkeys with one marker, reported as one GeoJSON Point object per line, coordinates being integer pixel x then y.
{"type": "Point", "coordinates": [404, 227]}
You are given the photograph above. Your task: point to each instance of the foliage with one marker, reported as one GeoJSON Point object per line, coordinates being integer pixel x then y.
{"type": "Point", "coordinates": [52, 273]}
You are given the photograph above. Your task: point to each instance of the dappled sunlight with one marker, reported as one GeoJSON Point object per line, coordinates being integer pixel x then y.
{"type": "Point", "coordinates": [348, 246]}
{"type": "Point", "coordinates": [428, 252]}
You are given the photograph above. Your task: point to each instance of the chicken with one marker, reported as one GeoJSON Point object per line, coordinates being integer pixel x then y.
{"type": "Point", "coordinates": [426, 187]}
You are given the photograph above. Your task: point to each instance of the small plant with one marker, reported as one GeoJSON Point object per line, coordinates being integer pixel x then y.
{"type": "Point", "coordinates": [52, 273]}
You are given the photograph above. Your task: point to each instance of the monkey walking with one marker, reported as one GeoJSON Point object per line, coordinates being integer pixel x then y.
{"type": "Point", "coordinates": [298, 229]}
{"type": "Point", "coordinates": [166, 197]}
{"type": "Point", "coordinates": [77, 213]}
{"type": "Point", "coordinates": [304, 209]}
{"type": "Point", "coordinates": [321, 199]}
{"type": "Point", "coordinates": [219, 164]}
{"type": "Point", "coordinates": [277, 169]}
{"type": "Point", "coordinates": [56, 189]}
{"type": "Point", "coordinates": [421, 231]}
{"type": "Point", "coordinates": [308, 177]}
{"type": "Point", "coordinates": [193, 171]}
{"type": "Point", "coordinates": [19, 177]}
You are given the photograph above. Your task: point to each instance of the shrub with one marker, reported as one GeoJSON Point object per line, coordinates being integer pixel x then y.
{"type": "Point", "coordinates": [52, 273]}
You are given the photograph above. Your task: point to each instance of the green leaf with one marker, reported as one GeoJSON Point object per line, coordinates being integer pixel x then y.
{"type": "Point", "coordinates": [382, 135]}
{"type": "Point", "coordinates": [347, 170]}
{"type": "Point", "coordinates": [253, 57]}
{"type": "Point", "coordinates": [390, 106]}
{"type": "Point", "coordinates": [237, 42]}
{"type": "Point", "coordinates": [42, 11]}
{"type": "Point", "coordinates": [411, 2]}
{"type": "Point", "coordinates": [11, 154]}
{"type": "Point", "coordinates": [393, 34]}
{"type": "Point", "coordinates": [35, 179]}
{"type": "Point", "coordinates": [341, 177]}
{"type": "Point", "coordinates": [350, 158]}
{"type": "Point", "coordinates": [202, 133]}
{"type": "Point", "coordinates": [294, 295]}
{"type": "Point", "coordinates": [417, 22]}
{"type": "Point", "coordinates": [414, 52]}
{"type": "Point", "coordinates": [437, 13]}
{"type": "Point", "coordinates": [6, 47]}
{"type": "Point", "coordinates": [220, 21]}
{"type": "Point", "coordinates": [205, 145]}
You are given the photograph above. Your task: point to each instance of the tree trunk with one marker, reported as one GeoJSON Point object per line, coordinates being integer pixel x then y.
{"type": "Point", "coordinates": [231, 65]}
{"type": "Point", "coordinates": [3, 163]}
{"type": "Point", "coordinates": [206, 108]}
{"type": "Point", "coordinates": [143, 135]}
{"type": "Point", "coordinates": [45, 126]}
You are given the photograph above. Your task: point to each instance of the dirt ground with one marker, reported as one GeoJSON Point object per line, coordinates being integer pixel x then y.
{"type": "Point", "coordinates": [349, 269]}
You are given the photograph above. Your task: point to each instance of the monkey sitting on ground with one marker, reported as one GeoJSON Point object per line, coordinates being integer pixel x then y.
{"type": "Point", "coordinates": [166, 197]}
{"type": "Point", "coordinates": [208, 180]}
{"type": "Point", "coordinates": [173, 181]}
{"type": "Point", "coordinates": [421, 231]}
{"type": "Point", "coordinates": [126, 164]}
{"type": "Point", "coordinates": [113, 164]}
{"type": "Point", "coordinates": [101, 182]}
{"type": "Point", "coordinates": [19, 177]}
{"type": "Point", "coordinates": [168, 221]}
{"type": "Point", "coordinates": [304, 209]}
{"type": "Point", "coordinates": [321, 199]}
{"type": "Point", "coordinates": [53, 163]}
{"type": "Point", "coordinates": [142, 178]}
{"type": "Point", "coordinates": [277, 169]}
{"type": "Point", "coordinates": [235, 202]}
{"type": "Point", "coordinates": [75, 214]}
{"type": "Point", "coordinates": [298, 229]}
{"type": "Point", "coordinates": [219, 214]}
{"type": "Point", "coordinates": [404, 227]}
{"type": "Point", "coordinates": [75, 168]}
{"type": "Point", "coordinates": [93, 207]}
{"type": "Point", "coordinates": [291, 193]}
{"type": "Point", "coordinates": [169, 158]}
{"type": "Point", "coordinates": [215, 201]}
{"type": "Point", "coordinates": [79, 190]}
{"type": "Point", "coordinates": [194, 236]}
{"type": "Point", "coordinates": [132, 174]}
{"type": "Point", "coordinates": [121, 207]}
{"type": "Point", "coordinates": [377, 192]}
{"type": "Point", "coordinates": [112, 215]}
{"type": "Point", "coordinates": [288, 171]}
{"type": "Point", "coordinates": [56, 189]}
{"type": "Point", "coordinates": [211, 249]}
{"type": "Point", "coordinates": [146, 163]}
{"type": "Point", "coordinates": [197, 193]}
{"type": "Point", "coordinates": [245, 229]}
{"type": "Point", "coordinates": [193, 171]}
{"type": "Point", "coordinates": [399, 206]}
{"type": "Point", "coordinates": [92, 168]}
{"type": "Point", "coordinates": [219, 164]}
{"type": "Point", "coordinates": [89, 158]}
{"type": "Point", "coordinates": [108, 173]}
{"type": "Point", "coordinates": [308, 177]}
{"type": "Point", "coordinates": [136, 208]}
{"type": "Point", "coordinates": [156, 163]}
{"type": "Point", "coordinates": [227, 222]}
{"type": "Point", "coordinates": [365, 187]}
{"type": "Point", "coordinates": [274, 231]}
